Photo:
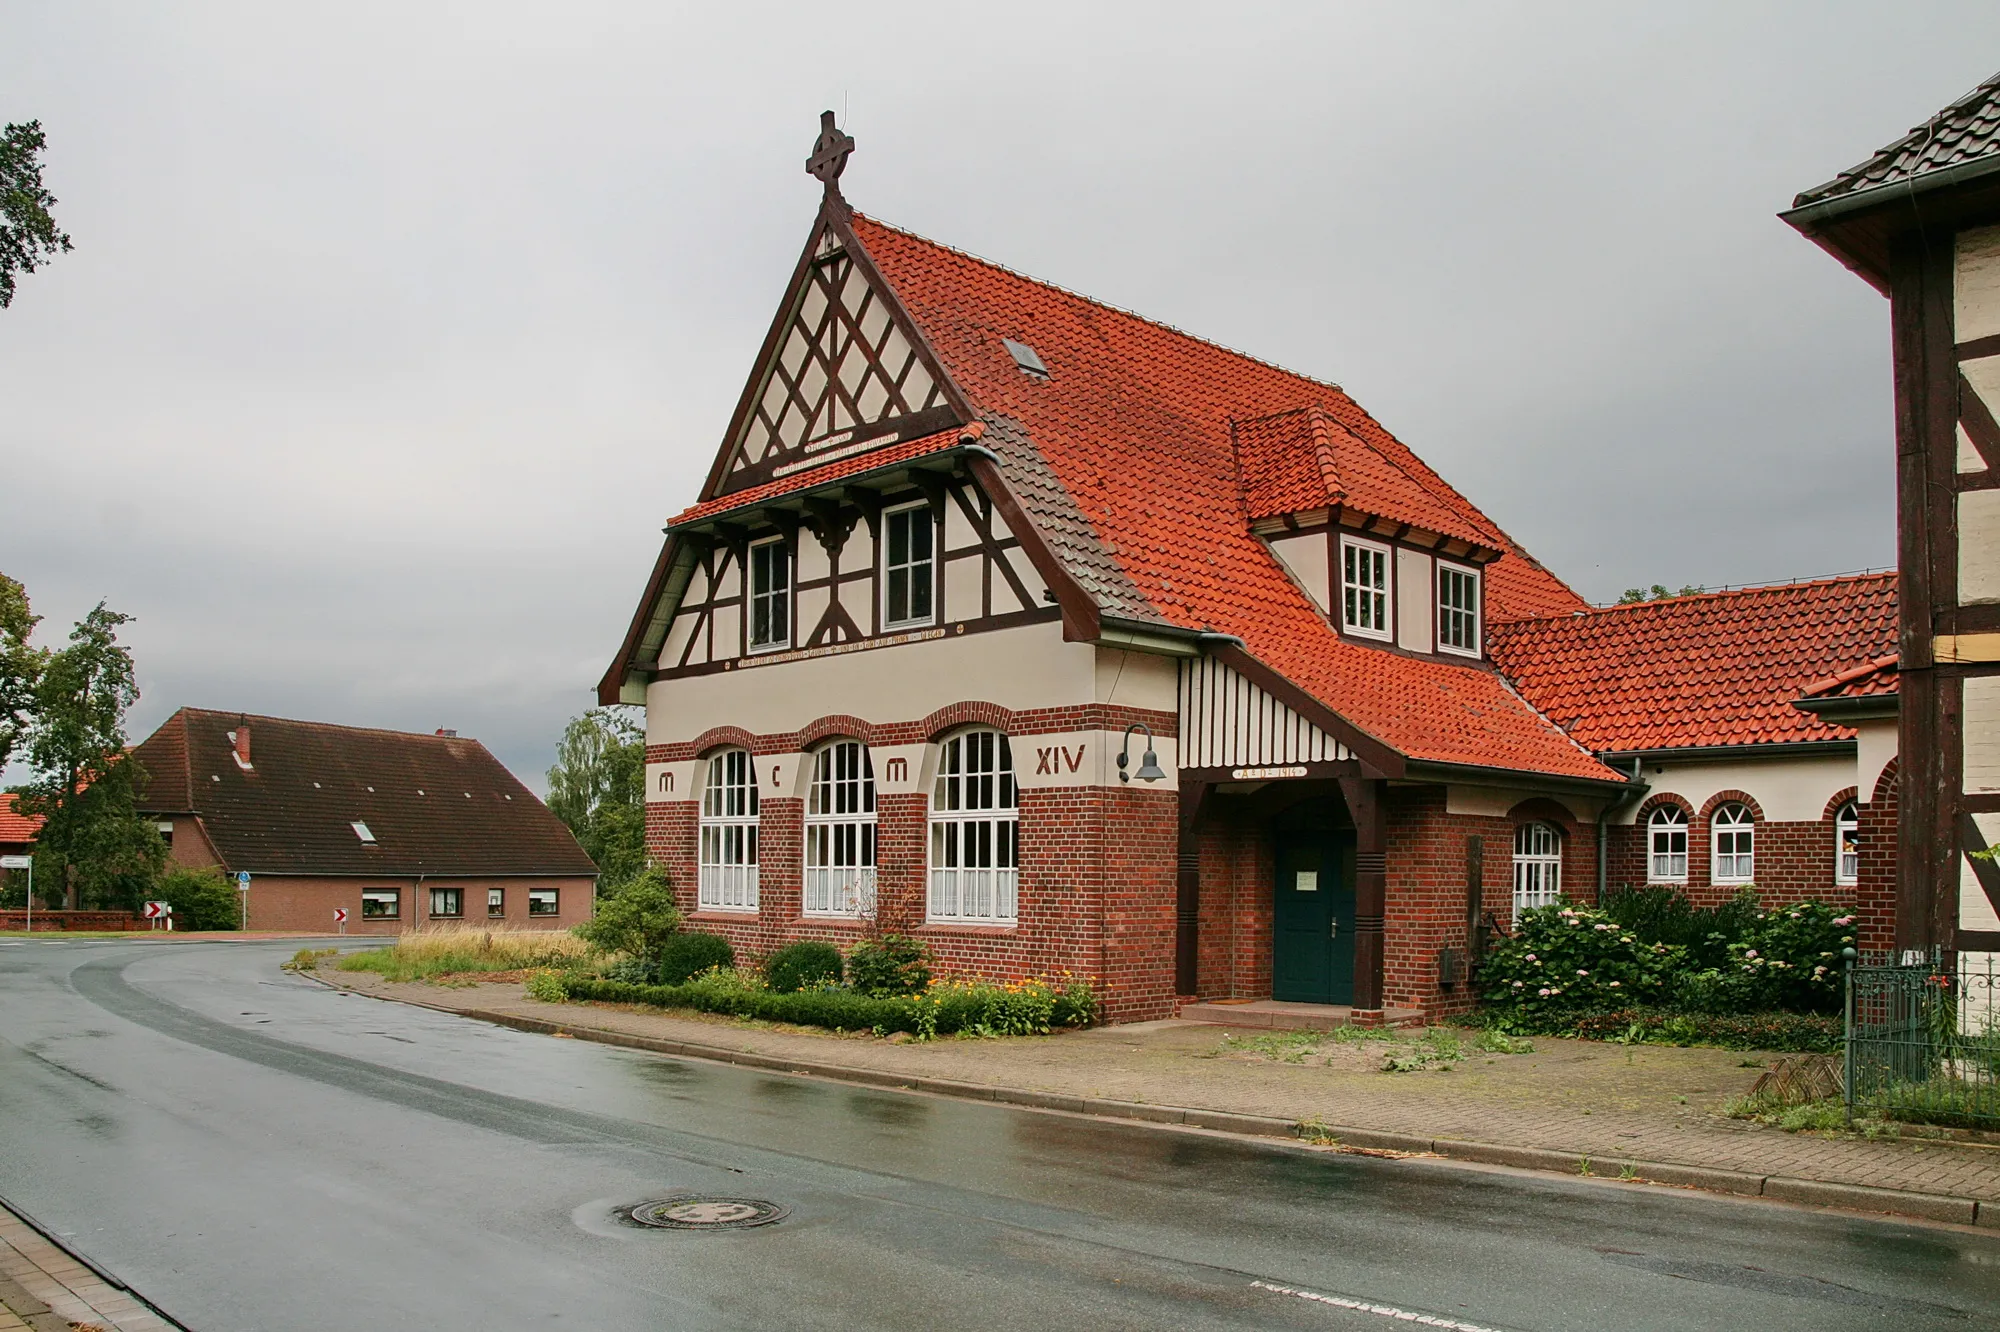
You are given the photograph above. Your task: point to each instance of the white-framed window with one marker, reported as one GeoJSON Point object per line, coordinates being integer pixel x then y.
{"type": "Point", "coordinates": [840, 832]}
{"type": "Point", "coordinates": [1538, 867]}
{"type": "Point", "coordinates": [1732, 831]}
{"type": "Point", "coordinates": [770, 594]}
{"type": "Point", "coordinates": [544, 902]}
{"type": "Point", "coordinates": [1847, 844]}
{"type": "Point", "coordinates": [496, 901]}
{"type": "Point", "coordinates": [381, 903]}
{"type": "Point", "coordinates": [1458, 610]}
{"type": "Point", "coordinates": [447, 902]}
{"type": "Point", "coordinates": [1364, 588]}
{"type": "Point", "coordinates": [1667, 845]}
{"type": "Point", "coordinates": [729, 834]}
{"type": "Point", "coordinates": [975, 832]}
{"type": "Point", "coordinates": [909, 576]}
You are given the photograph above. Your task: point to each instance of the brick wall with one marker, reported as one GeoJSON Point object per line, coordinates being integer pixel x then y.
{"type": "Point", "coordinates": [1875, 894]}
{"type": "Point", "coordinates": [1794, 859]}
{"type": "Point", "coordinates": [298, 902]}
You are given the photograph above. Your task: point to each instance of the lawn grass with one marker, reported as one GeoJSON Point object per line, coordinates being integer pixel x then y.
{"type": "Point", "coordinates": [443, 950]}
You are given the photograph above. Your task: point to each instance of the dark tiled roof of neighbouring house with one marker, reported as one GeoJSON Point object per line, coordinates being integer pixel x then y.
{"type": "Point", "coordinates": [1136, 423]}
{"type": "Point", "coordinates": [435, 804]}
{"type": "Point", "coordinates": [1965, 131]}
{"type": "Point", "coordinates": [1719, 668]}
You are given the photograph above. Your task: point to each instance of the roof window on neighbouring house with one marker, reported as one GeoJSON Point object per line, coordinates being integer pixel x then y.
{"type": "Point", "coordinates": [361, 831]}
{"type": "Point", "coordinates": [1025, 357]}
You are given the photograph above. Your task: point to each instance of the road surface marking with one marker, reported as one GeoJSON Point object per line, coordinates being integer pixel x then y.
{"type": "Point", "coordinates": [1384, 1310]}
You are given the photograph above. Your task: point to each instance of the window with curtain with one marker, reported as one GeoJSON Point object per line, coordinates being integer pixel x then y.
{"type": "Point", "coordinates": [728, 870]}
{"type": "Point", "coordinates": [1847, 844]}
{"type": "Point", "coordinates": [974, 832]}
{"type": "Point", "coordinates": [1734, 836]}
{"type": "Point", "coordinates": [1667, 845]}
{"type": "Point", "coordinates": [1537, 867]}
{"type": "Point", "coordinates": [840, 832]}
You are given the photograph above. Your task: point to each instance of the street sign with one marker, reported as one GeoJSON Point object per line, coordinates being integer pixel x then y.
{"type": "Point", "coordinates": [340, 915]}
{"type": "Point", "coordinates": [158, 910]}
{"type": "Point", "coordinates": [242, 881]}
{"type": "Point", "coordinates": [17, 862]}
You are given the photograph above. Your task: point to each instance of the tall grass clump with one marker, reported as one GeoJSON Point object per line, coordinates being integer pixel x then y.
{"type": "Point", "coordinates": [441, 950]}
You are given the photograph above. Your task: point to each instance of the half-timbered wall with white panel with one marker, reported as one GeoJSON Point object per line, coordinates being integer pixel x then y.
{"type": "Point", "coordinates": [1226, 721]}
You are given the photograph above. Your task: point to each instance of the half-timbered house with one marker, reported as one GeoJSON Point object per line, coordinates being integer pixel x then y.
{"type": "Point", "coordinates": [1920, 221]}
{"type": "Point", "coordinates": [1068, 641]}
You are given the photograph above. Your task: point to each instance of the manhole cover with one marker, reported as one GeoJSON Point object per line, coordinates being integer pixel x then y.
{"type": "Point", "coordinates": [706, 1213]}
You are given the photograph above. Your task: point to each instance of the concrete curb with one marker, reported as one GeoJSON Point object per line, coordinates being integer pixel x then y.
{"type": "Point", "coordinates": [1778, 1188]}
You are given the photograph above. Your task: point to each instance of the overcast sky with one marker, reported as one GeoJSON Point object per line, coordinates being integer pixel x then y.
{"type": "Point", "coordinates": [393, 333]}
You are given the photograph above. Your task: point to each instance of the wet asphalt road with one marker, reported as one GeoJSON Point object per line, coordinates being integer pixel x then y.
{"type": "Point", "coordinates": [255, 1152]}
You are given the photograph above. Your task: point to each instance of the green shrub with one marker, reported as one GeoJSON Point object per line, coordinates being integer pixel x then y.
{"type": "Point", "coordinates": [1567, 959]}
{"type": "Point", "coordinates": [684, 956]}
{"type": "Point", "coordinates": [805, 965]}
{"type": "Point", "coordinates": [634, 970]}
{"type": "Point", "coordinates": [894, 964]}
{"type": "Point", "coordinates": [547, 986]}
{"type": "Point", "coordinates": [1662, 915]}
{"type": "Point", "coordinates": [970, 1007]}
{"type": "Point", "coordinates": [1790, 957]}
{"type": "Point", "coordinates": [201, 898]}
{"type": "Point", "coordinates": [638, 921]}
{"type": "Point", "coordinates": [1790, 1033]}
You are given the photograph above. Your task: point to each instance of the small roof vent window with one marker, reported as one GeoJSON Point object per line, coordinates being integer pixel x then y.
{"type": "Point", "coordinates": [361, 831]}
{"type": "Point", "coordinates": [1025, 357]}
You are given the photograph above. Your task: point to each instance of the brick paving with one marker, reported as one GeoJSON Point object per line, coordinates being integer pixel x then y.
{"type": "Point", "coordinates": [1580, 1098]}
{"type": "Point", "coordinates": [44, 1288]}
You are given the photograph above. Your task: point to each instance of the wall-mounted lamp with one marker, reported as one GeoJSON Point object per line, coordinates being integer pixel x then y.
{"type": "Point", "coordinates": [1149, 766]}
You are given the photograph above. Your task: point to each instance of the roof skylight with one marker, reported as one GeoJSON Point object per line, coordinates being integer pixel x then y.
{"type": "Point", "coordinates": [361, 831]}
{"type": "Point", "coordinates": [1025, 357]}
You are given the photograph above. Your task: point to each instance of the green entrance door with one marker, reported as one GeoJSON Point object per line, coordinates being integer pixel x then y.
{"type": "Point", "coordinates": [1312, 935]}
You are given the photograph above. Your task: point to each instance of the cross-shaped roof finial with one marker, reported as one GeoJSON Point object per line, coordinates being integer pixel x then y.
{"type": "Point", "coordinates": [829, 154]}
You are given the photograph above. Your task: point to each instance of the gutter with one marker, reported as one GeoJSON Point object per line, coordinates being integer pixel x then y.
{"type": "Point", "coordinates": [1424, 770]}
{"type": "Point", "coordinates": [1634, 790]}
{"type": "Point", "coordinates": [1701, 753]}
{"type": "Point", "coordinates": [1866, 707]}
{"type": "Point", "coordinates": [1814, 215]}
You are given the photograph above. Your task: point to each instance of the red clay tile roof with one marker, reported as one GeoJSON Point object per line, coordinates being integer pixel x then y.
{"type": "Point", "coordinates": [1721, 668]}
{"type": "Point", "coordinates": [16, 828]}
{"type": "Point", "coordinates": [903, 452]}
{"type": "Point", "coordinates": [1870, 679]}
{"type": "Point", "coordinates": [435, 804]}
{"type": "Point", "coordinates": [1965, 131]}
{"type": "Point", "coordinates": [1134, 422]}
{"type": "Point", "coordinates": [1298, 461]}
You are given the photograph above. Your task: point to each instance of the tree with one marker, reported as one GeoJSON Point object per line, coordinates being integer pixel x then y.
{"type": "Point", "coordinates": [202, 898]}
{"type": "Point", "coordinates": [93, 845]}
{"type": "Point", "coordinates": [638, 921]}
{"type": "Point", "coordinates": [28, 235]}
{"type": "Point", "coordinates": [1634, 595]}
{"type": "Point", "coordinates": [20, 666]}
{"type": "Point", "coordinates": [598, 788]}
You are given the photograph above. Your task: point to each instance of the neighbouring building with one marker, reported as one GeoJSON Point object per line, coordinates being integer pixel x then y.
{"type": "Point", "coordinates": [1920, 222]}
{"type": "Point", "coordinates": [402, 830]}
{"type": "Point", "coordinates": [1762, 721]}
{"type": "Point", "coordinates": [1065, 640]}
{"type": "Point", "coordinates": [17, 830]}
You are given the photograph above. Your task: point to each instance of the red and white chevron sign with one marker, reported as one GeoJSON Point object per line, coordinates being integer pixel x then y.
{"type": "Point", "coordinates": [340, 915]}
{"type": "Point", "coordinates": [156, 911]}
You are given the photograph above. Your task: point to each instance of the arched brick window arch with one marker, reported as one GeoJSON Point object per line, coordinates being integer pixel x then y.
{"type": "Point", "coordinates": [1667, 820]}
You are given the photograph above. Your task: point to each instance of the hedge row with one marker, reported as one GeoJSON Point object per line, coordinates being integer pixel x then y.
{"type": "Point", "coordinates": [1788, 1033]}
{"type": "Point", "coordinates": [991, 1009]}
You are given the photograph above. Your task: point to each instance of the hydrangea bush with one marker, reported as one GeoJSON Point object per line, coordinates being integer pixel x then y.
{"type": "Point", "coordinates": [1567, 959]}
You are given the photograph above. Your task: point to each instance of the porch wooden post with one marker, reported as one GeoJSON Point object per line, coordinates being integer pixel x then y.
{"type": "Point", "coordinates": [1371, 883]}
{"type": "Point", "coordinates": [1187, 891]}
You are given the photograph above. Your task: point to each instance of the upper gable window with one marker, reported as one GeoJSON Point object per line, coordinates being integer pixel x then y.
{"type": "Point", "coordinates": [770, 594]}
{"type": "Point", "coordinates": [1458, 610]}
{"type": "Point", "coordinates": [908, 568]}
{"type": "Point", "coordinates": [1364, 588]}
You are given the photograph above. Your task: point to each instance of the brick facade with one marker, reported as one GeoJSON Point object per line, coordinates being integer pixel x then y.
{"type": "Point", "coordinates": [299, 902]}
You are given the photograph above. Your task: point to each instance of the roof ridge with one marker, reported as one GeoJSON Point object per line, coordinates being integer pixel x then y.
{"type": "Point", "coordinates": [1103, 304]}
{"type": "Point", "coordinates": [1747, 590]}
{"type": "Point", "coordinates": [326, 726]}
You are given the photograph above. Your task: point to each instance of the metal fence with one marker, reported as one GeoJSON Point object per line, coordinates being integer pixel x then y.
{"type": "Point", "coordinates": [1923, 1038]}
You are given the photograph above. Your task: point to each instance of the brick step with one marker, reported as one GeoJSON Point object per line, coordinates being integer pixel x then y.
{"type": "Point", "coordinates": [1271, 1013]}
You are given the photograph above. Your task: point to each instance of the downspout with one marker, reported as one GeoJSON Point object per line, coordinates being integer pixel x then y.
{"type": "Point", "coordinates": [1634, 789]}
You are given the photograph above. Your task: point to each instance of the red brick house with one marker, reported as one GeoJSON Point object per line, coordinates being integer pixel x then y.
{"type": "Point", "coordinates": [403, 830]}
{"type": "Point", "coordinates": [1066, 640]}
{"type": "Point", "coordinates": [17, 830]}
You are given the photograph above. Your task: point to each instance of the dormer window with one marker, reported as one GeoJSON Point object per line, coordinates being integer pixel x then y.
{"type": "Point", "coordinates": [1364, 588]}
{"type": "Point", "coordinates": [1458, 609]}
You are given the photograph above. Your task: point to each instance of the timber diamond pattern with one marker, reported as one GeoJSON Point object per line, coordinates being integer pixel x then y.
{"type": "Point", "coordinates": [842, 371]}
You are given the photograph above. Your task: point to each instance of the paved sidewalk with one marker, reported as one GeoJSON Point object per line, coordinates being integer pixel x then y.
{"type": "Point", "coordinates": [43, 1286]}
{"type": "Point", "coordinates": [1653, 1106]}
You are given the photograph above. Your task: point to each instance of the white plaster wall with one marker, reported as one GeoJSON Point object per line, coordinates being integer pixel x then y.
{"type": "Point", "coordinates": [1875, 743]}
{"type": "Point", "coordinates": [1493, 802]}
{"type": "Point", "coordinates": [1968, 456]}
{"type": "Point", "coordinates": [1975, 911]}
{"type": "Point", "coordinates": [1024, 569]}
{"type": "Point", "coordinates": [812, 561]}
{"type": "Point", "coordinates": [1977, 295]}
{"type": "Point", "coordinates": [1028, 667]}
{"type": "Point", "coordinates": [1416, 622]}
{"type": "Point", "coordinates": [1978, 546]}
{"type": "Point", "coordinates": [962, 589]}
{"type": "Point", "coordinates": [1138, 680]}
{"type": "Point", "coordinates": [1305, 556]}
{"type": "Point", "coordinates": [1981, 719]}
{"type": "Point", "coordinates": [1788, 790]}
